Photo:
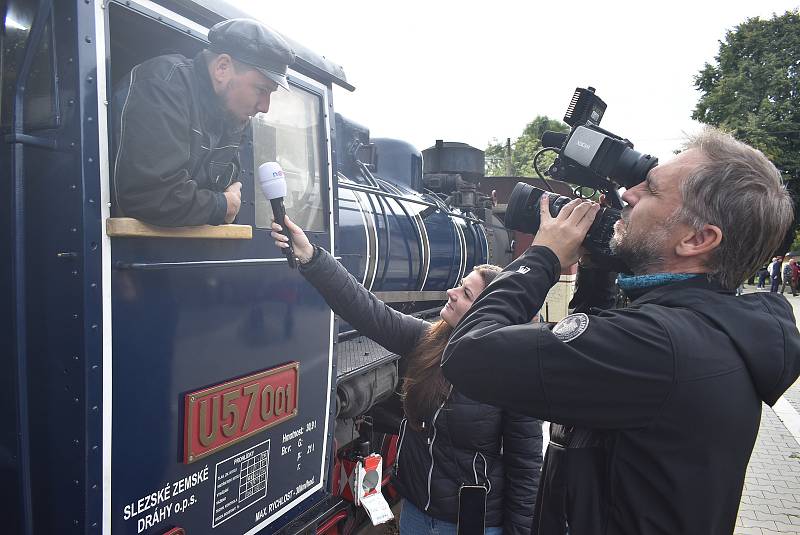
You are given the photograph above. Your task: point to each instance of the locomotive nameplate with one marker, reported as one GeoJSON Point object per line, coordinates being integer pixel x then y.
{"type": "Point", "coordinates": [222, 415]}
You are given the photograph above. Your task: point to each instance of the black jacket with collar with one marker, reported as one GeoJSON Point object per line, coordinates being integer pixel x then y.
{"type": "Point", "coordinates": [177, 149]}
{"type": "Point", "coordinates": [434, 463]}
{"type": "Point", "coordinates": [659, 403]}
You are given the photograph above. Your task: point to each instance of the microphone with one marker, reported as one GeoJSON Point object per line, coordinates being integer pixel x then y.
{"type": "Point", "coordinates": [273, 185]}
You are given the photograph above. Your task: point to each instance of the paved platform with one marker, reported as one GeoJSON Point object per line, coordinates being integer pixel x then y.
{"type": "Point", "coordinates": [771, 496]}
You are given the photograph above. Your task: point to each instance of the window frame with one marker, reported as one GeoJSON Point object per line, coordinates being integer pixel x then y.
{"type": "Point", "coordinates": [300, 82]}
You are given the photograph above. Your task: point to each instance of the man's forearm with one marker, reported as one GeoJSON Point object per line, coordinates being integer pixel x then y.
{"type": "Point", "coordinates": [492, 355]}
{"type": "Point", "coordinates": [518, 293]}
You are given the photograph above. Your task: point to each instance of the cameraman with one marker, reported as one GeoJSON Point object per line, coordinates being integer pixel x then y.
{"type": "Point", "coordinates": [657, 405]}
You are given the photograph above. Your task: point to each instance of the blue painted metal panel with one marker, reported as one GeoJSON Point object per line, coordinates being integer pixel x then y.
{"type": "Point", "coordinates": [178, 330]}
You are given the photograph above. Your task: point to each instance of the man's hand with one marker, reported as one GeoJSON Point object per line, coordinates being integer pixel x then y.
{"type": "Point", "coordinates": [564, 234]}
{"type": "Point", "coordinates": [303, 249]}
{"type": "Point", "coordinates": [233, 196]}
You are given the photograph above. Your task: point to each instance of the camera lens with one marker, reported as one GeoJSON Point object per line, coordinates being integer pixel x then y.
{"type": "Point", "coordinates": [522, 214]}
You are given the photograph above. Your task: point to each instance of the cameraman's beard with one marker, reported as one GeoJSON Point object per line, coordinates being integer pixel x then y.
{"type": "Point", "coordinates": [642, 253]}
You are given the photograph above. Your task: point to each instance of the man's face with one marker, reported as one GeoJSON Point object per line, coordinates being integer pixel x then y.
{"type": "Point", "coordinates": [247, 93]}
{"type": "Point", "coordinates": [644, 237]}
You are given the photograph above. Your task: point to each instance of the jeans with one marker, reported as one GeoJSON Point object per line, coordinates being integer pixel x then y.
{"type": "Point", "coordinates": [416, 522]}
{"type": "Point", "coordinates": [776, 282]}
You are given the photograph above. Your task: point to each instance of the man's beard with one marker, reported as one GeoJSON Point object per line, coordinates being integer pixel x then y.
{"type": "Point", "coordinates": [642, 253]}
{"type": "Point", "coordinates": [233, 121]}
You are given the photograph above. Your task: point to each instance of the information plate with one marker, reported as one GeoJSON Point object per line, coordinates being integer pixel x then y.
{"type": "Point", "coordinates": [239, 482]}
{"type": "Point", "coordinates": [225, 414]}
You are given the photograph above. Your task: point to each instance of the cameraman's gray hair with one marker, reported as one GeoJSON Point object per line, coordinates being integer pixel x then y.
{"type": "Point", "coordinates": [738, 190]}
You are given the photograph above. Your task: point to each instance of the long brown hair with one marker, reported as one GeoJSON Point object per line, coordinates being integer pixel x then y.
{"type": "Point", "coordinates": [424, 385]}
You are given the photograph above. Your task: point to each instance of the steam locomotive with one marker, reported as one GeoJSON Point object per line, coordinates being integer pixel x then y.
{"type": "Point", "coordinates": [186, 380]}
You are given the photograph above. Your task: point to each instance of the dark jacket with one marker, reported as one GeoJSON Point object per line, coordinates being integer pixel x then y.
{"type": "Point", "coordinates": [659, 403]}
{"type": "Point", "coordinates": [775, 270]}
{"type": "Point", "coordinates": [434, 463]}
{"type": "Point", "coordinates": [177, 149]}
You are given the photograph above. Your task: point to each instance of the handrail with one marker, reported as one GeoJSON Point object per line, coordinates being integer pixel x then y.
{"type": "Point", "coordinates": [18, 264]}
{"type": "Point", "coordinates": [150, 266]}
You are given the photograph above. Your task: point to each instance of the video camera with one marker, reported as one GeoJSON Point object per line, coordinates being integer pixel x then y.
{"type": "Point", "coordinates": [588, 156]}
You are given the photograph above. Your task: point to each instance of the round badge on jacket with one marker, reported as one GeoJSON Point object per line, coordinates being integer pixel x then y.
{"type": "Point", "coordinates": [571, 327]}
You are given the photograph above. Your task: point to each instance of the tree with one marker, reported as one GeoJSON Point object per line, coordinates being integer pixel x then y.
{"type": "Point", "coordinates": [523, 149]}
{"type": "Point", "coordinates": [753, 91]}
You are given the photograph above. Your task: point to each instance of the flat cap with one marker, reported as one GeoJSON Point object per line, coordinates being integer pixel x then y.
{"type": "Point", "coordinates": [255, 44]}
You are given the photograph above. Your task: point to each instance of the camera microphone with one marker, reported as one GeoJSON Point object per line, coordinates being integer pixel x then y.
{"type": "Point", "coordinates": [553, 140]}
{"type": "Point", "coordinates": [273, 185]}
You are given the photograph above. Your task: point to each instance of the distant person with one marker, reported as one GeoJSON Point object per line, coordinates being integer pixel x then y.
{"type": "Point", "coordinates": [775, 274]}
{"type": "Point", "coordinates": [786, 277]}
{"type": "Point", "coordinates": [763, 275]}
{"type": "Point", "coordinates": [794, 275]}
{"type": "Point", "coordinates": [446, 439]}
{"type": "Point", "coordinates": [178, 123]}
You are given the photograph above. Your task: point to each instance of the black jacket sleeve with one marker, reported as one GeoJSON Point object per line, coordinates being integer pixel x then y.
{"type": "Point", "coordinates": [373, 318]}
{"type": "Point", "coordinates": [153, 134]}
{"type": "Point", "coordinates": [522, 465]}
{"type": "Point", "coordinates": [616, 371]}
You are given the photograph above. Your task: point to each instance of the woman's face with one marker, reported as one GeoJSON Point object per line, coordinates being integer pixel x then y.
{"type": "Point", "coordinates": [460, 298]}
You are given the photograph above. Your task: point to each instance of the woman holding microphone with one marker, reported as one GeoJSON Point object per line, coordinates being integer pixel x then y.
{"type": "Point", "coordinates": [447, 441]}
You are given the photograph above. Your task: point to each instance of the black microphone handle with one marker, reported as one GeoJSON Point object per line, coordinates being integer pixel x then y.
{"type": "Point", "coordinates": [280, 217]}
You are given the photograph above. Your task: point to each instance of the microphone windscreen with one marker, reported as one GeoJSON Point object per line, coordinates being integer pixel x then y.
{"type": "Point", "coordinates": [273, 182]}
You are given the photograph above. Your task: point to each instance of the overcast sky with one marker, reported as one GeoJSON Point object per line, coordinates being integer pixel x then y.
{"type": "Point", "coordinates": [473, 71]}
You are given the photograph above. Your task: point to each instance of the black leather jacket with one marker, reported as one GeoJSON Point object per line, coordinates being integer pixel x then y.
{"type": "Point", "coordinates": [464, 439]}
{"type": "Point", "coordinates": [177, 149]}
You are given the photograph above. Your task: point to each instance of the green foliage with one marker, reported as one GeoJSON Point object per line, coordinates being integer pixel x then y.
{"type": "Point", "coordinates": [796, 243]}
{"type": "Point", "coordinates": [495, 155]}
{"type": "Point", "coordinates": [752, 90]}
{"type": "Point", "coordinates": [523, 150]}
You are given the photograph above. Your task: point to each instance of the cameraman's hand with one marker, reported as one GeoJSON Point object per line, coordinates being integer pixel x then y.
{"type": "Point", "coordinates": [303, 249]}
{"type": "Point", "coordinates": [565, 233]}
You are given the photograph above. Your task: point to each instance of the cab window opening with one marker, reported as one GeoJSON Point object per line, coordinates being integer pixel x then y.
{"type": "Point", "coordinates": [290, 134]}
